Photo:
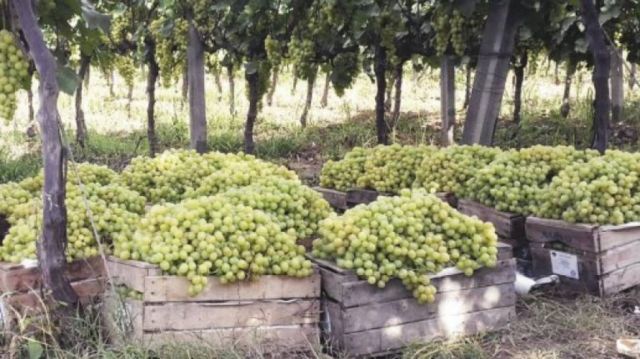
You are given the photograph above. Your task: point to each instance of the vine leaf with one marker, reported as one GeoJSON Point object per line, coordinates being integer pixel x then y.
{"type": "Point", "coordinates": [68, 80]}
{"type": "Point", "coordinates": [94, 18]}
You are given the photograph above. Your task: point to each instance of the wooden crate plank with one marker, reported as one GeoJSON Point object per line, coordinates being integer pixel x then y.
{"type": "Point", "coordinates": [362, 196]}
{"type": "Point", "coordinates": [620, 279]}
{"type": "Point", "coordinates": [395, 337]}
{"type": "Point", "coordinates": [336, 199]}
{"type": "Point", "coordinates": [619, 257]}
{"type": "Point", "coordinates": [33, 302]}
{"type": "Point", "coordinates": [577, 236]}
{"type": "Point", "coordinates": [332, 284]}
{"type": "Point", "coordinates": [232, 314]}
{"type": "Point", "coordinates": [449, 198]}
{"type": "Point", "coordinates": [267, 339]}
{"type": "Point", "coordinates": [333, 325]}
{"type": "Point", "coordinates": [122, 318]}
{"type": "Point", "coordinates": [508, 225]}
{"type": "Point", "coordinates": [379, 315]}
{"type": "Point", "coordinates": [615, 236]}
{"type": "Point", "coordinates": [587, 273]}
{"type": "Point", "coordinates": [361, 292]}
{"type": "Point", "coordinates": [23, 279]}
{"type": "Point", "coordinates": [175, 289]}
{"type": "Point", "coordinates": [131, 273]}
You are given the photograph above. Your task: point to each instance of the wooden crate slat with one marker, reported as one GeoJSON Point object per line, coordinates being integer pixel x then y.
{"type": "Point", "coordinates": [175, 289]}
{"type": "Point", "coordinates": [122, 318]}
{"type": "Point", "coordinates": [32, 302]}
{"type": "Point", "coordinates": [449, 198]}
{"type": "Point", "coordinates": [619, 257]}
{"type": "Point", "coordinates": [362, 196]}
{"type": "Point", "coordinates": [508, 225]}
{"type": "Point", "coordinates": [379, 315]}
{"type": "Point", "coordinates": [336, 199]}
{"type": "Point", "coordinates": [577, 236]}
{"type": "Point", "coordinates": [395, 337]}
{"type": "Point", "coordinates": [20, 279]}
{"type": "Point", "coordinates": [287, 338]}
{"type": "Point", "coordinates": [334, 322]}
{"type": "Point", "coordinates": [131, 273]}
{"type": "Point", "coordinates": [620, 279]}
{"type": "Point", "coordinates": [615, 236]}
{"type": "Point", "coordinates": [332, 284]}
{"type": "Point", "coordinates": [361, 292]}
{"type": "Point", "coordinates": [200, 316]}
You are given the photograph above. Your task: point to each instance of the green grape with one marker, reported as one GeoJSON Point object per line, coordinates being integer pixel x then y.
{"type": "Point", "coordinates": [207, 236]}
{"type": "Point", "coordinates": [171, 48]}
{"type": "Point", "coordinates": [126, 67]}
{"type": "Point", "coordinates": [407, 237]}
{"type": "Point", "coordinates": [448, 169]}
{"type": "Point", "coordinates": [604, 190]}
{"type": "Point", "coordinates": [515, 179]}
{"type": "Point", "coordinates": [14, 74]}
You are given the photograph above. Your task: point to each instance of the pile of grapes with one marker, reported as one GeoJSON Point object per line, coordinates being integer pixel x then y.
{"type": "Point", "coordinates": [604, 190]}
{"type": "Point", "coordinates": [449, 169]}
{"type": "Point", "coordinates": [383, 168]}
{"type": "Point", "coordinates": [114, 208]}
{"type": "Point", "coordinates": [407, 237]}
{"type": "Point", "coordinates": [179, 174]}
{"type": "Point", "coordinates": [210, 236]}
{"type": "Point", "coordinates": [516, 179]}
{"type": "Point", "coordinates": [14, 74]}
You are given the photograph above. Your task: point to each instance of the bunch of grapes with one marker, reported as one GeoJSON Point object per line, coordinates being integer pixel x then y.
{"type": "Point", "coordinates": [515, 179]}
{"type": "Point", "coordinates": [126, 67]}
{"type": "Point", "coordinates": [345, 68]}
{"type": "Point", "coordinates": [207, 236]}
{"type": "Point", "coordinates": [296, 208]}
{"type": "Point", "coordinates": [115, 211]}
{"type": "Point", "coordinates": [14, 74]}
{"type": "Point", "coordinates": [343, 175]}
{"type": "Point", "coordinates": [407, 237]}
{"type": "Point", "coordinates": [392, 168]}
{"type": "Point", "coordinates": [604, 190]}
{"type": "Point", "coordinates": [448, 169]}
{"type": "Point", "coordinates": [171, 47]}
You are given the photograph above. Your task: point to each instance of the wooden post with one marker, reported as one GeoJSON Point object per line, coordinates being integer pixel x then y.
{"type": "Point", "coordinates": [491, 74]}
{"type": "Point", "coordinates": [52, 242]}
{"type": "Point", "coordinates": [447, 99]}
{"type": "Point", "coordinates": [197, 109]}
{"type": "Point", "coordinates": [602, 64]}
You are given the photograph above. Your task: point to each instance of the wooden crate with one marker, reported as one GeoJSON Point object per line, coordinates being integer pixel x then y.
{"type": "Point", "coordinates": [281, 312]}
{"type": "Point", "coordinates": [22, 294]}
{"type": "Point", "coordinates": [362, 320]}
{"type": "Point", "coordinates": [509, 226]}
{"type": "Point", "coordinates": [344, 200]}
{"type": "Point", "coordinates": [600, 260]}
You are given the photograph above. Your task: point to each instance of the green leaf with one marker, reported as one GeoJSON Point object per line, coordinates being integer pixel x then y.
{"type": "Point", "coordinates": [94, 18]}
{"type": "Point", "coordinates": [68, 80]}
{"type": "Point", "coordinates": [466, 7]}
{"type": "Point", "coordinates": [34, 349]}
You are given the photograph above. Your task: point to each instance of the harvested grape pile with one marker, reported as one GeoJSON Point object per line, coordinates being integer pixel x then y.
{"type": "Point", "coordinates": [408, 237]}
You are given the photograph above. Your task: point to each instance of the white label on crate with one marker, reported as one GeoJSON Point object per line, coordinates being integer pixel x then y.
{"type": "Point", "coordinates": [564, 264]}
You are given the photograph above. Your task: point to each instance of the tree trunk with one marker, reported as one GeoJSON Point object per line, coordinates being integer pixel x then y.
{"type": "Point", "coordinates": [51, 245]}
{"type": "Point", "coordinates": [272, 88]}
{"type": "Point", "coordinates": [617, 87]}
{"type": "Point", "coordinates": [397, 101]}
{"type": "Point", "coordinates": [447, 99]}
{"type": "Point", "coordinates": [185, 85]}
{"type": "Point", "coordinates": [232, 91]}
{"type": "Point", "coordinates": [565, 108]}
{"type": "Point", "coordinates": [30, 101]}
{"type": "Point", "coordinates": [109, 78]}
{"type": "Point", "coordinates": [601, 68]}
{"type": "Point", "coordinates": [152, 78]}
{"type": "Point", "coordinates": [252, 114]}
{"type": "Point", "coordinates": [307, 104]}
{"type": "Point", "coordinates": [491, 74]}
{"type": "Point", "coordinates": [81, 126]}
{"type": "Point", "coordinates": [87, 78]}
{"type": "Point", "coordinates": [295, 83]}
{"type": "Point", "coordinates": [380, 68]}
{"type": "Point", "coordinates": [467, 86]}
{"type": "Point", "coordinates": [387, 95]}
{"type": "Point", "coordinates": [129, 100]}
{"type": "Point", "coordinates": [518, 71]}
{"type": "Point", "coordinates": [556, 74]}
{"type": "Point", "coordinates": [632, 76]}
{"type": "Point", "coordinates": [216, 77]}
{"type": "Point", "coordinates": [197, 111]}
{"type": "Point", "coordinates": [325, 91]}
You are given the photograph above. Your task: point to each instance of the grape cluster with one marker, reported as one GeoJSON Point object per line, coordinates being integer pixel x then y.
{"type": "Point", "coordinates": [604, 190]}
{"type": "Point", "coordinates": [14, 74]}
{"type": "Point", "coordinates": [382, 168]}
{"type": "Point", "coordinates": [406, 237]}
{"type": "Point", "coordinates": [126, 67]}
{"type": "Point", "coordinates": [296, 208]}
{"type": "Point", "coordinates": [179, 174]}
{"type": "Point", "coordinates": [207, 236]}
{"type": "Point", "coordinates": [515, 180]}
{"type": "Point", "coordinates": [171, 47]}
{"type": "Point", "coordinates": [448, 169]}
